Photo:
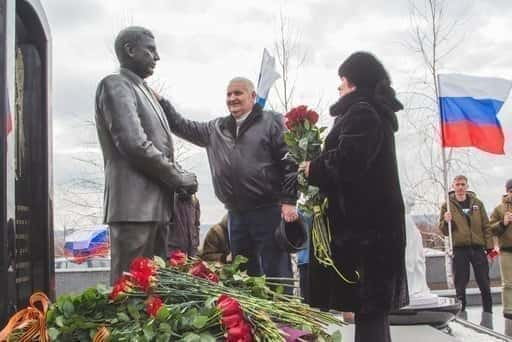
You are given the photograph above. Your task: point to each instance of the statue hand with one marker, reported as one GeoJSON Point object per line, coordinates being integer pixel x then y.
{"type": "Point", "coordinates": [184, 181]}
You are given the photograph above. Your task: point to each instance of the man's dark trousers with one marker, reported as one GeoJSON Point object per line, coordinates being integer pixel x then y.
{"type": "Point", "coordinates": [462, 258]}
{"type": "Point", "coordinates": [251, 234]}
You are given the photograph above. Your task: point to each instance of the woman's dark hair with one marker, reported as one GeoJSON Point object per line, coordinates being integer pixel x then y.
{"type": "Point", "coordinates": [368, 74]}
{"type": "Point", "coordinates": [364, 70]}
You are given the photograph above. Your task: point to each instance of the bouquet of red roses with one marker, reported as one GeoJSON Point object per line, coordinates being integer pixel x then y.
{"type": "Point", "coordinates": [304, 144]}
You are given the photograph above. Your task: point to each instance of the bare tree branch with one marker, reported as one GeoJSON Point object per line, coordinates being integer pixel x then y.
{"type": "Point", "coordinates": [433, 38]}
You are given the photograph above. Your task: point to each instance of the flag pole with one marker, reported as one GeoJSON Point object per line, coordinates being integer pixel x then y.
{"type": "Point", "coordinates": [447, 199]}
{"type": "Point", "coordinates": [445, 168]}
{"type": "Point", "coordinates": [449, 254]}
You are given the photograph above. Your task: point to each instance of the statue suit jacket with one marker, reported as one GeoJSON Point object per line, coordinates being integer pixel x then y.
{"type": "Point", "coordinates": [140, 175]}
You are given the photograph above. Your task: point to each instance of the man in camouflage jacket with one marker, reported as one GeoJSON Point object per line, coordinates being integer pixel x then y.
{"type": "Point", "coordinates": [501, 226]}
{"type": "Point", "coordinates": [472, 240]}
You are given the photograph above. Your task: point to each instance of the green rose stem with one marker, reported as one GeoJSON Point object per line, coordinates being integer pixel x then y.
{"type": "Point", "coordinates": [261, 312]}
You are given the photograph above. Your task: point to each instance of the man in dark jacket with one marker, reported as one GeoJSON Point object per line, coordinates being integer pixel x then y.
{"type": "Point", "coordinates": [471, 238]}
{"type": "Point", "coordinates": [140, 174]}
{"type": "Point", "coordinates": [250, 175]}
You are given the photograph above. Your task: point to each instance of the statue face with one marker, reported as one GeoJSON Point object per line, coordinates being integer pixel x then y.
{"type": "Point", "coordinates": [143, 56]}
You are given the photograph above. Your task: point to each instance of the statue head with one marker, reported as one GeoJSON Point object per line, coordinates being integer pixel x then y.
{"type": "Point", "coordinates": [136, 50]}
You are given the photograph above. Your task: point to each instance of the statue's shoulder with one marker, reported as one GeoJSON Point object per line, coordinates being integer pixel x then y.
{"type": "Point", "coordinates": [115, 83]}
{"type": "Point", "coordinates": [114, 78]}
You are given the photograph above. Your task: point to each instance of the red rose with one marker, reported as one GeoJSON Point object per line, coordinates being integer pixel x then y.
{"type": "Point", "coordinates": [237, 329]}
{"type": "Point", "coordinates": [143, 265]}
{"type": "Point", "coordinates": [212, 277]}
{"type": "Point", "coordinates": [143, 271]}
{"type": "Point", "coordinates": [230, 321]}
{"type": "Point", "coordinates": [240, 333]}
{"type": "Point", "coordinates": [312, 116]}
{"type": "Point", "coordinates": [153, 304]}
{"type": "Point", "coordinates": [121, 286]}
{"type": "Point", "coordinates": [288, 124]}
{"type": "Point", "coordinates": [228, 305]}
{"type": "Point", "coordinates": [177, 258]}
{"type": "Point", "coordinates": [201, 270]}
{"type": "Point", "coordinates": [298, 115]}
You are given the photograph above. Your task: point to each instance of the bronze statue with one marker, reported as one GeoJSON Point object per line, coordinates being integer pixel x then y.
{"type": "Point", "coordinates": [141, 177]}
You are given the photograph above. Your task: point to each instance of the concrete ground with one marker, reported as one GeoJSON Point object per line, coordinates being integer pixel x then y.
{"type": "Point", "coordinates": [475, 312]}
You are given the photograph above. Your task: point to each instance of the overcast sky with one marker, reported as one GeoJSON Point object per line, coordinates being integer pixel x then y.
{"type": "Point", "coordinates": [203, 44]}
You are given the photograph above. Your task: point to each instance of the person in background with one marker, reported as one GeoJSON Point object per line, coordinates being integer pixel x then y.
{"type": "Point", "coordinates": [184, 232]}
{"type": "Point", "coordinates": [472, 240]}
{"type": "Point", "coordinates": [501, 226]}
{"type": "Point", "coordinates": [216, 243]}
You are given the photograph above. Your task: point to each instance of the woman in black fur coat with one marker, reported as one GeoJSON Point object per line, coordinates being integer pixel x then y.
{"type": "Point", "coordinates": [357, 171]}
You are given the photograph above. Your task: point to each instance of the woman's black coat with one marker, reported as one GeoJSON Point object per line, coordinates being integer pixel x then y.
{"type": "Point", "coordinates": [358, 172]}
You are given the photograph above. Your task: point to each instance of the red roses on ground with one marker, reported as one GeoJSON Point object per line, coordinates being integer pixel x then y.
{"type": "Point", "coordinates": [143, 272]}
{"type": "Point", "coordinates": [177, 258]}
{"type": "Point", "coordinates": [300, 114]}
{"type": "Point", "coordinates": [237, 329]}
{"type": "Point", "coordinates": [200, 270]}
{"type": "Point", "coordinates": [121, 286]}
{"type": "Point", "coordinates": [153, 304]}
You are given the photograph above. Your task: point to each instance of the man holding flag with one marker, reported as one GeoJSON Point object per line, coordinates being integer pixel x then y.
{"type": "Point", "coordinates": [468, 108]}
{"type": "Point", "coordinates": [472, 240]}
{"type": "Point", "coordinates": [250, 176]}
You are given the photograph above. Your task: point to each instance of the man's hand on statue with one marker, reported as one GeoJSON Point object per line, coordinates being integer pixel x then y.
{"type": "Point", "coordinates": [507, 218]}
{"type": "Point", "coordinates": [447, 217]}
{"type": "Point", "coordinates": [289, 212]}
{"type": "Point", "coordinates": [304, 167]}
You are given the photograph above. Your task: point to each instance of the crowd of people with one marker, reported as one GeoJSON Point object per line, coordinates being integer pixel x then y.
{"type": "Point", "coordinates": [151, 206]}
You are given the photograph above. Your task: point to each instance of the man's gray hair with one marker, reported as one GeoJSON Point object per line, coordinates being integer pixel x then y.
{"type": "Point", "coordinates": [247, 82]}
{"type": "Point", "coordinates": [131, 35]}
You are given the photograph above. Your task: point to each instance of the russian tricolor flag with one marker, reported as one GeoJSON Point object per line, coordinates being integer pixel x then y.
{"type": "Point", "coordinates": [469, 107]}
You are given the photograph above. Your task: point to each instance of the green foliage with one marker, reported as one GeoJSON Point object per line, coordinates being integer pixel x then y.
{"type": "Point", "coordinates": [188, 310]}
{"type": "Point", "coordinates": [78, 318]}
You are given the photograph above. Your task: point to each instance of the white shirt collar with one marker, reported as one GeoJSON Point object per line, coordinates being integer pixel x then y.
{"type": "Point", "coordinates": [242, 118]}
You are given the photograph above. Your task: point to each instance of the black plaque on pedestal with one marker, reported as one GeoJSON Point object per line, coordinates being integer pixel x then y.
{"type": "Point", "coordinates": [26, 212]}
